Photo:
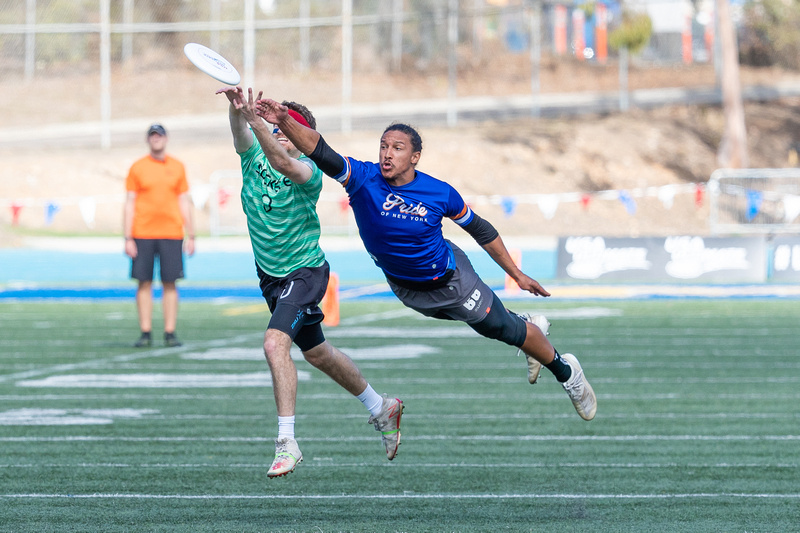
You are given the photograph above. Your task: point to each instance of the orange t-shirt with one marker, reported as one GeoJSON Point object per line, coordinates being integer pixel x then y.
{"type": "Point", "coordinates": [157, 185]}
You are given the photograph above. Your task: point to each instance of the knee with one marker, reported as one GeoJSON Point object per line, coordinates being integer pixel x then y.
{"type": "Point", "coordinates": [502, 326]}
{"type": "Point", "coordinates": [318, 355]}
{"type": "Point", "coordinates": [272, 347]}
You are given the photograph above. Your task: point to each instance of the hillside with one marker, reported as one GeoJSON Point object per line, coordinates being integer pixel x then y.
{"type": "Point", "coordinates": [495, 165]}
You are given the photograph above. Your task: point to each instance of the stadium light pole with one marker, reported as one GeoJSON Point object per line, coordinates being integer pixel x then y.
{"type": "Point", "coordinates": [452, 60]}
{"type": "Point", "coordinates": [536, 56]}
{"type": "Point", "coordinates": [105, 74]}
{"type": "Point", "coordinates": [30, 39]}
{"type": "Point", "coordinates": [732, 152]}
{"type": "Point", "coordinates": [347, 65]}
{"type": "Point", "coordinates": [249, 42]}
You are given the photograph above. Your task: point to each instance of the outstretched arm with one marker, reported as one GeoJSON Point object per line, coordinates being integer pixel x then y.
{"type": "Point", "coordinates": [485, 235]}
{"type": "Point", "coordinates": [279, 158]}
{"type": "Point", "coordinates": [305, 139]}
{"type": "Point", "coordinates": [498, 251]}
{"type": "Point", "coordinates": [242, 136]}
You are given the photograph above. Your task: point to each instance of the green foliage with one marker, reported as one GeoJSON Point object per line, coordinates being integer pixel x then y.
{"type": "Point", "coordinates": [588, 9]}
{"type": "Point", "coordinates": [769, 34]}
{"type": "Point", "coordinates": [633, 33]}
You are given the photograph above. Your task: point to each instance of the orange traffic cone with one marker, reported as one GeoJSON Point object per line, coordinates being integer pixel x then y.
{"type": "Point", "coordinates": [511, 285]}
{"type": "Point", "coordinates": [330, 302]}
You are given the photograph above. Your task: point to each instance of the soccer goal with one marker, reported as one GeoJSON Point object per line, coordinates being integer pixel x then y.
{"type": "Point", "coordinates": [760, 200]}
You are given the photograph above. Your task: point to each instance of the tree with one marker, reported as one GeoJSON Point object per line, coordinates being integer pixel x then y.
{"type": "Point", "coordinates": [732, 151]}
{"type": "Point", "coordinates": [631, 36]}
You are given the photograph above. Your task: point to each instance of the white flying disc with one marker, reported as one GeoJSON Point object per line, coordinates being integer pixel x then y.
{"type": "Point", "coordinates": [212, 63]}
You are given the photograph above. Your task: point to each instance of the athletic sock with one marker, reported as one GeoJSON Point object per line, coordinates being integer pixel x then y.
{"type": "Point", "coordinates": [285, 427]}
{"type": "Point", "coordinates": [560, 368]}
{"type": "Point", "coordinates": [371, 400]}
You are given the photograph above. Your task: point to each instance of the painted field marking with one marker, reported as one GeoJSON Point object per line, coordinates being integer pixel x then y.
{"type": "Point", "coordinates": [503, 438]}
{"type": "Point", "coordinates": [408, 495]}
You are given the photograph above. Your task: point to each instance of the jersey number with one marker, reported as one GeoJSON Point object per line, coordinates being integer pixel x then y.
{"type": "Point", "coordinates": [473, 300]}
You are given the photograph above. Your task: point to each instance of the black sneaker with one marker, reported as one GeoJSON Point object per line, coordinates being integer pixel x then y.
{"type": "Point", "coordinates": [145, 341]}
{"type": "Point", "coordinates": [171, 340]}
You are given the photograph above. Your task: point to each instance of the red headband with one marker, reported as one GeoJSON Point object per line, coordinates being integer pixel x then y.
{"type": "Point", "coordinates": [299, 118]}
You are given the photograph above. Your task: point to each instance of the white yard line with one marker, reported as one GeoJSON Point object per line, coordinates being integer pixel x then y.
{"type": "Point", "coordinates": [414, 466]}
{"type": "Point", "coordinates": [472, 438]}
{"type": "Point", "coordinates": [410, 495]}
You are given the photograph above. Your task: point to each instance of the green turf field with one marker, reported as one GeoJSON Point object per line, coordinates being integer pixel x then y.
{"type": "Point", "coordinates": [698, 426]}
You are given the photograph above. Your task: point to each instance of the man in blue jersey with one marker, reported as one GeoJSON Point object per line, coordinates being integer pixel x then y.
{"type": "Point", "coordinates": [280, 189]}
{"type": "Point", "coordinates": [399, 213]}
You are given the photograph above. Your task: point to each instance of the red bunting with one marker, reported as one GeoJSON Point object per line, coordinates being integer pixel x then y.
{"type": "Point", "coordinates": [585, 199]}
{"type": "Point", "coordinates": [15, 211]}
{"type": "Point", "coordinates": [223, 196]}
{"type": "Point", "coordinates": [344, 203]}
{"type": "Point", "coordinates": [698, 195]}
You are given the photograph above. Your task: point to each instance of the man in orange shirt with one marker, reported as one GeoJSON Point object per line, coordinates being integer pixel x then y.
{"type": "Point", "coordinates": [158, 210]}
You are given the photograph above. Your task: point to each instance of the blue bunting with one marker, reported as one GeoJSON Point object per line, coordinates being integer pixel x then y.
{"type": "Point", "coordinates": [509, 204]}
{"type": "Point", "coordinates": [628, 202]}
{"type": "Point", "coordinates": [50, 210]}
{"type": "Point", "coordinates": [754, 199]}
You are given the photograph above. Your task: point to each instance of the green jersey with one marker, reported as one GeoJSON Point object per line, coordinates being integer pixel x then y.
{"type": "Point", "coordinates": [281, 215]}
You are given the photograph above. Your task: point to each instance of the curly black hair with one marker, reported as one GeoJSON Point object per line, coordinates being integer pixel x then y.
{"type": "Point", "coordinates": [416, 140]}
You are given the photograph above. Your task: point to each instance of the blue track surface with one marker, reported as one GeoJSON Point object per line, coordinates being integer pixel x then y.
{"type": "Point", "coordinates": [26, 273]}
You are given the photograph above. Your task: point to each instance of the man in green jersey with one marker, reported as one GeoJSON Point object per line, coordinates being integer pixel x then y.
{"type": "Point", "coordinates": [280, 190]}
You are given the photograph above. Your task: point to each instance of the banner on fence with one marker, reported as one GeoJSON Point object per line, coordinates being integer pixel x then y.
{"type": "Point", "coordinates": [663, 259]}
{"type": "Point", "coordinates": [785, 259]}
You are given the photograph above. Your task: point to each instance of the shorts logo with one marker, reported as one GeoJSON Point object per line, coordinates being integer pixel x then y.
{"type": "Point", "coordinates": [297, 318]}
{"type": "Point", "coordinates": [287, 290]}
{"type": "Point", "coordinates": [472, 301]}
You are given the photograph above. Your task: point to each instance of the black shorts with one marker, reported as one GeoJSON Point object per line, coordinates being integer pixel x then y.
{"type": "Point", "coordinates": [468, 299]}
{"type": "Point", "coordinates": [170, 259]}
{"type": "Point", "coordinates": [294, 301]}
{"type": "Point", "coordinates": [465, 297]}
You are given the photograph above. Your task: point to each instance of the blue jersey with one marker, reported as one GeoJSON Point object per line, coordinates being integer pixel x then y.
{"type": "Point", "coordinates": [401, 227]}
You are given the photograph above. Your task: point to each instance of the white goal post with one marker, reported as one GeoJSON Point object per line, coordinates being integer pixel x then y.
{"type": "Point", "coordinates": [754, 201]}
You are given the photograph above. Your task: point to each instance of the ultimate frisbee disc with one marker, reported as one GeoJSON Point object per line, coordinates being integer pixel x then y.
{"type": "Point", "coordinates": [212, 63]}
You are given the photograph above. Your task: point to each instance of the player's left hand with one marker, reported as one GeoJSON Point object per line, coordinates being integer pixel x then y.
{"type": "Point", "coordinates": [270, 110]}
{"type": "Point", "coordinates": [532, 286]}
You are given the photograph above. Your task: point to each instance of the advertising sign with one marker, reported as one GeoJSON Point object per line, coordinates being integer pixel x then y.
{"type": "Point", "coordinates": [682, 258]}
{"type": "Point", "coordinates": [786, 259]}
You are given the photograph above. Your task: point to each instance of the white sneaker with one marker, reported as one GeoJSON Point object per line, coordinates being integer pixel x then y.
{"type": "Point", "coordinates": [388, 423]}
{"type": "Point", "coordinates": [579, 390]}
{"type": "Point", "coordinates": [287, 456]}
{"type": "Point", "coordinates": [534, 366]}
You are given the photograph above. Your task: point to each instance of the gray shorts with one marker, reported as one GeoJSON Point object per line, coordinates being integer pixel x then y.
{"type": "Point", "coordinates": [169, 253]}
{"type": "Point", "coordinates": [465, 297]}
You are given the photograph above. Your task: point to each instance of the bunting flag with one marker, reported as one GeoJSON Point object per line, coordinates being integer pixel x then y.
{"type": "Point", "coordinates": [791, 207]}
{"type": "Point", "coordinates": [698, 195]}
{"type": "Point", "coordinates": [509, 204]}
{"type": "Point", "coordinates": [667, 196]}
{"type": "Point", "coordinates": [344, 204]}
{"type": "Point", "coordinates": [223, 195]}
{"type": "Point", "coordinates": [585, 200]}
{"type": "Point", "coordinates": [88, 208]}
{"type": "Point", "coordinates": [50, 210]}
{"type": "Point", "coordinates": [628, 202]}
{"type": "Point", "coordinates": [15, 212]}
{"type": "Point", "coordinates": [548, 205]}
{"type": "Point", "coordinates": [754, 199]}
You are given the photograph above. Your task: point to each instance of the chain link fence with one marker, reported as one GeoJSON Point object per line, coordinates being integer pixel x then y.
{"type": "Point", "coordinates": [113, 60]}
